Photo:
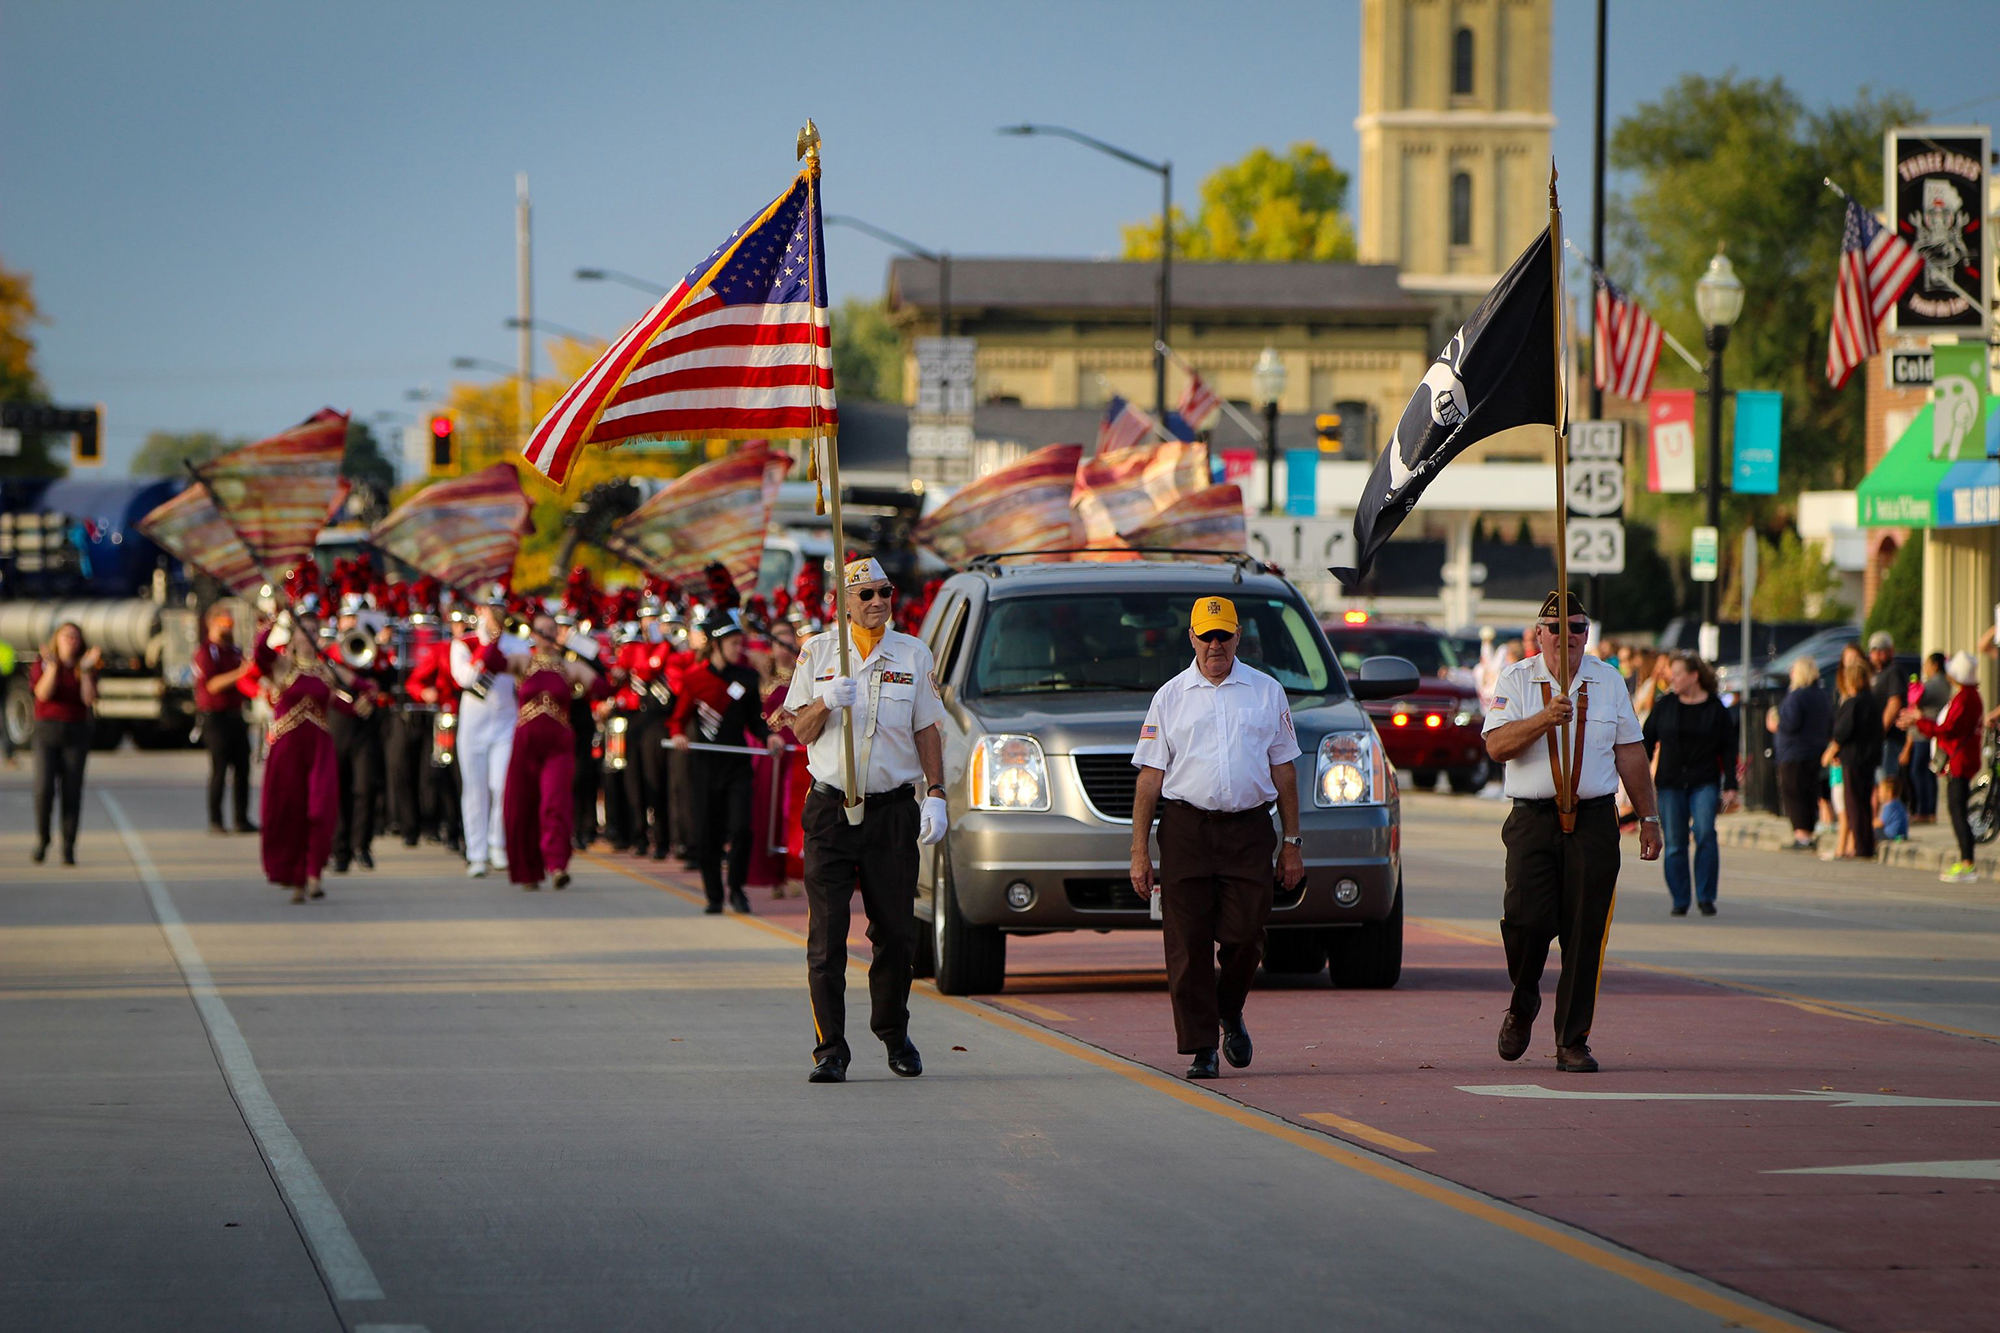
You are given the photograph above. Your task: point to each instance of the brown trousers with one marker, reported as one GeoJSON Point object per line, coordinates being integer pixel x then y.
{"type": "Point", "coordinates": [1559, 886]}
{"type": "Point", "coordinates": [1216, 881]}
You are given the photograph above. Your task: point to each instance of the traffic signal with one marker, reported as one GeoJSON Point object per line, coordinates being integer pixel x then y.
{"type": "Point", "coordinates": [444, 455]}
{"type": "Point", "coordinates": [1328, 426]}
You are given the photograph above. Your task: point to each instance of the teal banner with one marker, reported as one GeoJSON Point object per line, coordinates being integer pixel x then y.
{"type": "Point", "coordinates": [1759, 421]}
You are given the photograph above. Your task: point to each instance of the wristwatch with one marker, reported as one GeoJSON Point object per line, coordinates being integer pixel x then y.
{"type": "Point", "coordinates": [938, 788]}
{"type": "Point", "coordinates": [1649, 819]}
{"type": "Point", "coordinates": [1295, 841]}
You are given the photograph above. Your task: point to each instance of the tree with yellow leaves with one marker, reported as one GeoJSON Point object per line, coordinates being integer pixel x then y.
{"type": "Point", "coordinates": [1263, 207]}
{"type": "Point", "coordinates": [20, 382]}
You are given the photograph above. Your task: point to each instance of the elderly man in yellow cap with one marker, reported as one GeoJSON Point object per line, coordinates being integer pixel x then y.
{"type": "Point", "coordinates": [891, 702]}
{"type": "Point", "coordinates": [1214, 754]}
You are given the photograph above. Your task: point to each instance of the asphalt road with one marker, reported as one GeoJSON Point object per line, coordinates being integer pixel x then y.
{"type": "Point", "coordinates": [430, 1102]}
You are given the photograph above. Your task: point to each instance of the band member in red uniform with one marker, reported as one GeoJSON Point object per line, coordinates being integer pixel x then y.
{"type": "Point", "coordinates": [63, 681]}
{"type": "Point", "coordinates": [301, 781]}
{"type": "Point", "coordinates": [435, 694]}
{"type": "Point", "coordinates": [719, 704]}
{"type": "Point", "coordinates": [645, 700]}
{"type": "Point", "coordinates": [538, 807]}
{"type": "Point", "coordinates": [218, 667]}
{"type": "Point", "coordinates": [358, 717]}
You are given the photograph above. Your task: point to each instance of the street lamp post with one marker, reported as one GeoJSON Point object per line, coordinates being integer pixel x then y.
{"type": "Point", "coordinates": [613, 275]}
{"type": "Point", "coordinates": [560, 330]}
{"type": "Point", "coordinates": [941, 258]}
{"type": "Point", "coordinates": [1268, 378]}
{"type": "Point", "coordinates": [1163, 304]}
{"type": "Point", "coordinates": [1718, 299]}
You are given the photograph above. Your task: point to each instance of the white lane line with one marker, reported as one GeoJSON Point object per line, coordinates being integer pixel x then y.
{"type": "Point", "coordinates": [390, 1328]}
{"type": "Point", "coordinates": [348, 1276]}
{"type": "Point", "coordinates": [1985, 1169]}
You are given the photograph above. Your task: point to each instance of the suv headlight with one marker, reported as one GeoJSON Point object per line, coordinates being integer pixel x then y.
{"type": "Point", "coordinates": [1009, 773]}
{"type": "Point", "coordinates": [1350, 770]}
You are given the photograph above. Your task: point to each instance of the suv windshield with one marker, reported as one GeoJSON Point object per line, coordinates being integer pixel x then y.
{"type": "Point", "coordinates": [1430, 653]}
{"type": "Point", "coordinates": [1136, 641]}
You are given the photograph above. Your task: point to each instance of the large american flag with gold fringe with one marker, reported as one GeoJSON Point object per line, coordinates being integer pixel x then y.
{"type": "Point", "coordinates": [716, 512]}
{"type": "Point", "coordinates": [463, 531]}
{"type": "Point", "coordinates": [739, 350]}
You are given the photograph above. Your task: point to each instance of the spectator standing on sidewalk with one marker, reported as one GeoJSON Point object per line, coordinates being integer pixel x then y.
{"type": "Point", "coordinates": [1932, 697]}
{"type": "Point", "coordinates": [1857, 748]}
{"type": "Point", "coordinates": [1957, 733]}
{"type": "Point", "coordinates": [1693, 743]}
{"type": "Point", "coordinates": [1888, 688]}
{"type": "Point", "coordinates": [1801, 725]}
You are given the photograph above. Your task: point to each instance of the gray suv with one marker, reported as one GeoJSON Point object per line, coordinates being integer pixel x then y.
{"type": "Point", "coordinates": [1047, 671]}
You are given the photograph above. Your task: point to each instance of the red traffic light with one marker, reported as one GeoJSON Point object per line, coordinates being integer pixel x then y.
{"type": "Point", "coordinates": [441, 426]}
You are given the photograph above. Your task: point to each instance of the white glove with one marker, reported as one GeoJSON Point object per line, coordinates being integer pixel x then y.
{"type": "Point", "coordinates": [936, 819]}
{"type": "Point", "coordinates": [841, 692]}
{"type": "Point", "coordinates": [280, 635]}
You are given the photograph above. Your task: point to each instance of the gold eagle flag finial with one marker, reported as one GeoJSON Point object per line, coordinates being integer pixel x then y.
{"type": "Point", "coordinates": [809, 142]}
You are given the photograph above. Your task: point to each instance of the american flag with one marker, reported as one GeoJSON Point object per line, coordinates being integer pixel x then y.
{"type": "Point", "coordinates": [1199, 403]}
{"type": "Point", "coordinates": [739, 350]}
{"type": "Point", "coordinates": [1876, 267]}
{"type": "Point", "coordinates": [1628, 344]}
{"type": "Point", "coordinates": [1124, 426]}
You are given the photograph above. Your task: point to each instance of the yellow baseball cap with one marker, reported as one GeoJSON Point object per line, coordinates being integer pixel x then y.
{"type": "Point", "coordinates": [1213, 613]}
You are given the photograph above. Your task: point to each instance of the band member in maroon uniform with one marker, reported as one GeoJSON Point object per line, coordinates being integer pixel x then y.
{"type": "Point", "coordinates": [219, 666]}
{"type": "Point", "coordinates": [301, 781]}
{"type": "Point", "coordinates": [721, 702]}
{"type": "Point", "coordinates": [645, 700]}
{"type": "Point", "coordinates": [538, 807]}
{"type": "Point", "coordinates": [63, 681]}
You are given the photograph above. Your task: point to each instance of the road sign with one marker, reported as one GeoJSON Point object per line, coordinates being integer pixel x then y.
{"type": "Point", "coordinates": [1596, 546]}
{"type": "Point", "coordinates": [10, 443]}
{"type": "Point", "coordinates": [932, 440]}
{"type": "Point", "coordinates": [1600, 440]}
{"type": "Point", "coordinates": [1596, 490]}
{"type": "Point", "coordinates": [946, 371]}
{"type": "Point", "coordinates": [1911, 370]}
{"type": "Point", "coordinates": [1707, 544]}
{"type": "Point", "coordinates": [1824, 1096]}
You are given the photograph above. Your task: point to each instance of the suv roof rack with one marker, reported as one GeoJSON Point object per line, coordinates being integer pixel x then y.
{"type": "Point", "coordinates": [988, 562]}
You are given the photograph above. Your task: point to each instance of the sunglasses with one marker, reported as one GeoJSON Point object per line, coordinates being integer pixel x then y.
{"type": "Point", "coordinates": [1216, 636]}
{"type": "Point", "coordinates": [1575, 626]}
{"type": "Point", "coordinates": [870, 594]}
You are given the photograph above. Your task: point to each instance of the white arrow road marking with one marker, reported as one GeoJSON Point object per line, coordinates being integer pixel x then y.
{"type": "Point", "coordinates": [1980, 1170]}
{"type": "Point", "coordinates": [1536, 1091]}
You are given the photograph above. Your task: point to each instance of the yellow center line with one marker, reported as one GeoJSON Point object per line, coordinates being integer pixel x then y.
{"type": "Point", "coordinates": [1368, 1133]}
{"type": "Point", "coordinates": [1041, 1011]}
{"type": "Point", "coordinates": [1584, 1249]}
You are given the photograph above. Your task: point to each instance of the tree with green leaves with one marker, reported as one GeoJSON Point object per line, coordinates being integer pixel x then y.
{"type": "Point", "coordinates": [867, 352]}
{"type": "Point", "coordinates": [1739, 162]}
{"type": "Point", "coordinates": [1899, 598]}
{"type": "Point", "coordinates": [167, 453]}
{"type": "Point", "coordinates": [1263, 206]}
{"type": "Point", "coordinates": [20, 382]}
{"type": "Point", "coordinates": [363, 461]}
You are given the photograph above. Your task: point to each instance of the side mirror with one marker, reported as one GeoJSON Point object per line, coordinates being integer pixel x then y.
{"type": "Point", "coordinates": [1384, 678]}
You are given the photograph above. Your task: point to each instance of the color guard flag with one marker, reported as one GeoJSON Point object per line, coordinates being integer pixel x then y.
{"type": "Point", "coordinates": [193, 531]}
{"type": "Point", "coordinates": [1123, 427]}
{"type": "Point", "coordinates": [1210, 519]}
{"type": "Point", "coordinates": [463, 531]}
{"type": "Point", "coordinates": [1022, 507]}
{"type": "Point", "coordinates": [1497, 372]}
{"type": "Point", "coordinates": [1876, 267]}
{"type": "Point", "coordinates": [739, 350]}
{"type": "Point", "coordinates": [718, 512]}
{"type": "Point", "coordinates": [1199, 403]}
{"type": "Point", "coordinates": [1123, 490]}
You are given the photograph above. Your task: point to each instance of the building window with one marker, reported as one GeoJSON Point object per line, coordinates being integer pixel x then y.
{"type": "Point", "coordinates": [1461, 209]}
{"type": "Point", "coordinates": [1461, 62]}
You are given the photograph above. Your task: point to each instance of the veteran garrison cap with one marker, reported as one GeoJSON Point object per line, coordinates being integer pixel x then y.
{"type": "Point", "coordinates": [1552, 607]}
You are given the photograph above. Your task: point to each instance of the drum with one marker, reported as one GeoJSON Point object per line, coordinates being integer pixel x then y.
{"type": "Point", "coordinates": [616, 731]}
{"type": "Point", "coordinates": [444, 739]}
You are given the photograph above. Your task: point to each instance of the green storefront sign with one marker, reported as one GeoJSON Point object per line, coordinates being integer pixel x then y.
{"type": "Point", "coordinates": [1925, 481]}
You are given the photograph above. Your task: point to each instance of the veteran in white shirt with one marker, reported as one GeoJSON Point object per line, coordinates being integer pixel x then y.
{"type": "Point", "coordinates": [1562, 872]}
{"type": "Point", "coordinates": [891, 703]}
{"type": "Point", "coordinates": [1215, 752]}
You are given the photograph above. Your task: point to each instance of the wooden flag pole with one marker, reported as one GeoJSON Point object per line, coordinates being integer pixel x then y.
{"type": "Point", "coordinates": [1565, 768]}
{"type": "Point", "coordinates": [854, 806]}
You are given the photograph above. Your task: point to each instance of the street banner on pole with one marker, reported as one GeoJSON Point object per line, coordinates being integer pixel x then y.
{"type": "Point", "coordinates": [1759, 423]}
{"type": "Point", "coordinates": [1958, 401]}
{"type": "Point", "coordinates": [1670, 461]}
{"type": "Point", "coordinates": [1935, 185]}
{"type": "Point", "coordinates": [1302, 482]}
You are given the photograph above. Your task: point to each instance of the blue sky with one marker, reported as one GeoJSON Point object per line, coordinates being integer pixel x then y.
{"type": "Point", "coordinates": [238, 213]}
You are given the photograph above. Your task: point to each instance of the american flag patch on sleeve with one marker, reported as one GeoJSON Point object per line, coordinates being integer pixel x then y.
{"type": "Point", "coordinates": [1149, 732]}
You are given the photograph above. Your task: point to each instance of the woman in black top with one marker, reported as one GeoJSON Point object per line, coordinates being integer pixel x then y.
{"type": "Point", "coordinates": [1857, 747]}
{"type": "Point", "coordinates": [1693, 746]}
{"type": "Point", "coordinates": [1800, 727]}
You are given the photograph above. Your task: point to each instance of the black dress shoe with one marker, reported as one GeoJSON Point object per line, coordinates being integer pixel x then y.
{"type": "Point", "coordinates": [245, 826]}
{"type": "Point", "coordinates": [1236, 1046]}
{"type": "Point", "coordinates": [740, 901]}
{"type": "Point", "coordinates": [41, 852]}
{"type": "Point", "coordinates": [1575, 1060]}
{"type": "Point", "coordinates": [906, 1063]}
{"type": "Point", "coordinates": [339, 866]}
{"type": "Point", "coordinates": [366, 859]}
{"type": "Point", "coordinates": [1677, 911]}
{"type": "Point", "coordinates": [1514, 1031]}
{"type": "Point", "coordinates": [827, 1069]}
{"type": "Point", "coordinates": [1204, 1065]}
{"type": "Point", "coordinates": [411, 840]}
{"type": "Point", "coordinates": [561, 880]}
{"type": "Point", "coordinates": [712, 909]}
{"type": "Point", "coordinates": [1707, 909]}
{"type": "Point", "coordinates": [69, 855]}
{"type": "Point", "coordinates": [216, 830]}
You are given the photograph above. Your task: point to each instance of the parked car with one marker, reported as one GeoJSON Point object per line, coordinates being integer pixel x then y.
{"type": "Point", "coordinates": [1047, 672]}
{"type": "Point", "coordinates": [1435, 728]}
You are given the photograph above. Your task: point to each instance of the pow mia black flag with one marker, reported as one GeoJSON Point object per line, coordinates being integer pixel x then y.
{"type": "Point", "coordinates": [1498, 371]}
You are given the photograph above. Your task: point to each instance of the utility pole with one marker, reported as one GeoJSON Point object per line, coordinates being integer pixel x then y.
{"type": "Point", "coordinates": [1597, 258]}
{"type": "Point", "coordinates": [524, 308]}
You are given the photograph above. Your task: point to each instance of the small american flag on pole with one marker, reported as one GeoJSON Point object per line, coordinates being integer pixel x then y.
{"type": "Point", "coordinates": [739, 350]}
{"type": "Point", "coordinates": [1124, 426]}
{"type": "Point", "coordinates": [1876, 267]}
{"type": "Point", "coordinates": [1628, 344]}
{"type": "Point", "coordinates": [1199, 403]}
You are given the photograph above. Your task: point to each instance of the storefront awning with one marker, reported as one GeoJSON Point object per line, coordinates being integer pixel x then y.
{"type": "Point", "coordinates": [1910, 489]}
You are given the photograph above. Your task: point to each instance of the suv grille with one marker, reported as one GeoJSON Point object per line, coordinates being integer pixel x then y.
{"type": "Point", "coordinates": [1109, 782]}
